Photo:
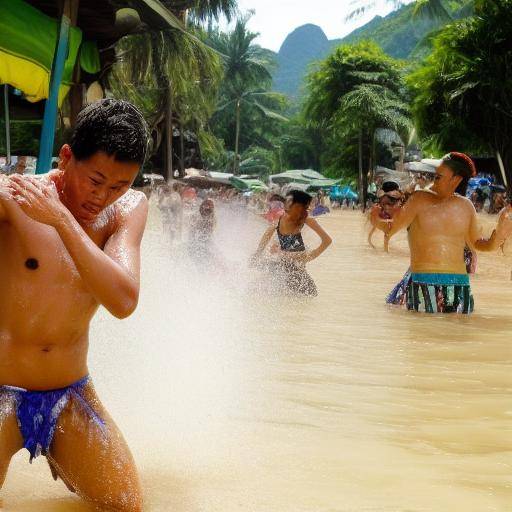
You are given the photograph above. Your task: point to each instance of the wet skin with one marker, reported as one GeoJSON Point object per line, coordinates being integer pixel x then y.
{"type": "Point", "coordinates": [441, 223]}
{"type": "Point", "coordinates": [69, 242]}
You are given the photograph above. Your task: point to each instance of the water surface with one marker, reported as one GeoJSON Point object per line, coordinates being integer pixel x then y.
{"type": "Point", "coordinates": [240, 402]}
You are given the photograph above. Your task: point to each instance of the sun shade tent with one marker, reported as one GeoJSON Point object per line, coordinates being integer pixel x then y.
{"type": "Point", "coordinates": [421, 167]}
{"type": "Point", "coordinates": [248, 184]}
{"type": "Point", "coordinates": [312, 179]}
{"type": "Point", "coordinates": [40, 46]}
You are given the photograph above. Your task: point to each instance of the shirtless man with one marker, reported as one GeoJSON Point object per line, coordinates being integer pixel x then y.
{"type": "Point", "coordinates": [441, 222]}
{"type": "Point", "coordinates": [69, 243]}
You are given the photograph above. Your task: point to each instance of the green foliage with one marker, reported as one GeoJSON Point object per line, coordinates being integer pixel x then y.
{"type": "Point", "coordinates": [259, 161]}
{"type": "Point", "coordinates": [463, 91]}
{"type": "Point", "coordinates": [400, 34]}
{"type": "Point", "coordinates": [248, 113]}
{"type": "Point", "coordinates": [150, 64]}
{"type": "Point", "coordinates": [356, 90]}
{"type": "Point", "coordinates": [298, 146]}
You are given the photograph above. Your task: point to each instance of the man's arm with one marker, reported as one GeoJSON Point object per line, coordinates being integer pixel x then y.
{"type": "Point", "coordinates": [405, 217]}
{"type": "Point", "coordinates": [112, 275]}
{"type": "Point", "coordinates": [499, 235]}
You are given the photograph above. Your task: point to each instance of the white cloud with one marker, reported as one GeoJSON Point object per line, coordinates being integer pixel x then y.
{"type": "Point", "coordinates": [275, 19]}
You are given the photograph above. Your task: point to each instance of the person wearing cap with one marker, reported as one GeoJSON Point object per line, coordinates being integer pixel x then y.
{"type": "Point", "coordinates": [440, 223]}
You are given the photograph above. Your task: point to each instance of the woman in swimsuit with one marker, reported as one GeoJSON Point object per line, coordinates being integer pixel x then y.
{"type": "Point", "coordinates": [290, 256]}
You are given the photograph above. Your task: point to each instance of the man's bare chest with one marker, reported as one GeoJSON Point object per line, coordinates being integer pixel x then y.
{"type": "Point", "coordinates": [34, 253]}
{"type": "Point", "coordinates": [446, 219]}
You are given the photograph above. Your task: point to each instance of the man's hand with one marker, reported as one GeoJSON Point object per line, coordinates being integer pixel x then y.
{"type": "Point", "coordinates": [504, 226]}
{"type": "Point", "coordinates": [39, 200]}
{"type": "Point", "coordinates": [5, 192]}
{"type": "Point", "coordinates": [5, 195]}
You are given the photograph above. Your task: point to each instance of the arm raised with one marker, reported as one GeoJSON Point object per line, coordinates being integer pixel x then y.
{"type": "Point", "coordinates": [499, 235]}
{"type": "Point", "coordinates": [112, 274]}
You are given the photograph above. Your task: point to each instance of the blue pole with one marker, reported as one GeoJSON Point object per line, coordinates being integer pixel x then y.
{"type": "Point", "coordinates": [52, 103]}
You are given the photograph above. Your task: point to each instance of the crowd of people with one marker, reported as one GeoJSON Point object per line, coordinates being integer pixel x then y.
{"type": "Point", "coordinates": [282, 262]}
{"type": "Point", "coordinates": [71, 242]}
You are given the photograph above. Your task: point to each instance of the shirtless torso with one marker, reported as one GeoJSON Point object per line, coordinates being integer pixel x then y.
{"type": "Point", "coordinates": [440, 228]}
{"type": "Point", "coordinates": [53, 277]}
{"type": "Point", "coordinates": [45, 307]}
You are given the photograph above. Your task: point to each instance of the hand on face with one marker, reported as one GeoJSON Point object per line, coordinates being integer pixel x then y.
{"type": "Point", "coordinates": [39, 200]}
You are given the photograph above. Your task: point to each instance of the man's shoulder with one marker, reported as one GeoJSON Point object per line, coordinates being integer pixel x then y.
{"type": "Point", "coordinates": [130, 204]}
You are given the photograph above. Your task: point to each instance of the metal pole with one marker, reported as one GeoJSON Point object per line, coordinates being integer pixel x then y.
{"type": "Point", "coordinates": [52, 103]}
{"type": "Point", "coordinates": [7, 125]}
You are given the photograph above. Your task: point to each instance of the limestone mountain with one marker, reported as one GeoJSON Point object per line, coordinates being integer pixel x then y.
{"type": "Point", "coordinates": [397, 33]}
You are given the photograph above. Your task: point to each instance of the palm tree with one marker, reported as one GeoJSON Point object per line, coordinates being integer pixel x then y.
{"type": "Point", "coordinates": [247, 76]}
{"type": "Point", "coordinates": [434, 9]}
{"type": "Point", "coordinates": [462, 92]}
{"type": "Point", "coordinates": [365, 109]}
{"type": "Point", "coordinates": [162, 71]}
{"type": "Point", "coordinates": [355, 91]}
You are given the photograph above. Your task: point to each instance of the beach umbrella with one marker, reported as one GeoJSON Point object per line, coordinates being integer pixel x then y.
{"type": "Point", "coordinates": [420, 167]}
{"type": "Point", "coordinates": [248, 184]}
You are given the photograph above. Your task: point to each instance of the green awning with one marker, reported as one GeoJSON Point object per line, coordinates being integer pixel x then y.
{"type": "Point", "coordinates": [246, 184]}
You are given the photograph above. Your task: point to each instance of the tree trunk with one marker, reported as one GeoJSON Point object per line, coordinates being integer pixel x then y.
{"type": "Point", "coordinates": [168, 167]}
{"type": "Point", "coordinates": [373, 159]}
{"type": "Point", "coordinates": [362, 195]}
{"type": "Point", "coordinates": [237, 138]}
{"type": "Point", "coordinates": [7, 126]}
{"type": "Point", "coordinates": [182, 151]}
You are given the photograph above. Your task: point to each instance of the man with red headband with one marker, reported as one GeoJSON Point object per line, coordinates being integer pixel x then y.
{"type": "Point", "coordinates": [441, 222]}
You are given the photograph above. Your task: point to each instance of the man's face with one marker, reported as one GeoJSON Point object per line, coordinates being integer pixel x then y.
{"type": "Point", "coordinates": [445, 182]}
{"type": "Point", "coordinates": [89, 186]}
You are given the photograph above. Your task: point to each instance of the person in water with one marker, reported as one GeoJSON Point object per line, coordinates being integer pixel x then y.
{"type": "Point", "coordinates": [275, 208]}
{"type": "Point", "coordinates": [389, 203]}
{"type": "Point", "coordinates": [201, 246]}
{"type": "Point", "coordinates": [288, 264]}
{"type": "Point", "coordinates": [440, 223]}
{"type": "Point", "coordinates": [70, 243]}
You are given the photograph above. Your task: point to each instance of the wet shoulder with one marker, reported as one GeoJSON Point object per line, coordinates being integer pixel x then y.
{"type": "Point", "coordinates": [130, 204]}
{"type": "Point", "coordinates": [424, 196]}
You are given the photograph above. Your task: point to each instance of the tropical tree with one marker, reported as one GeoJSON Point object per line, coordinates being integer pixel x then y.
{"type": "Point", "coordinates": [168, 72]}
{"type": "Point", "coordinates": [441, 10]}
{"type": "Point", "coordinates": [355, 91]}
{"type": "Point", "coordinates": [245, 89]}
{"type": "Point", "coordinates": [463, 91]}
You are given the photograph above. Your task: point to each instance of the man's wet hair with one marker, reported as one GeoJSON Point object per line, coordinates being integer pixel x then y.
{"type": "Point", "coordinates": [461, 165]}
{"type": "Point", "coordinates": [300, 197]}
{"type": "Point", "coordinates": [114, 127]}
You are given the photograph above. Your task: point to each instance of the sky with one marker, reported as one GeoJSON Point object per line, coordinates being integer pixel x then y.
{"type": "Point", "coordinates": [275, 19]}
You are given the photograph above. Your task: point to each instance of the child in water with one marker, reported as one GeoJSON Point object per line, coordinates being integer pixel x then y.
{"type": "Point", "coordinates": [289, 256]}
{"type": "Point", "coordinates": [201, 247]}
{"type": "Point", "coordinates": [389, 204]}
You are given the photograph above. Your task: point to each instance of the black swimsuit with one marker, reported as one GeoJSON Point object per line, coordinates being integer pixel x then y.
{"type": "Point", "coordinates": [292, 242]}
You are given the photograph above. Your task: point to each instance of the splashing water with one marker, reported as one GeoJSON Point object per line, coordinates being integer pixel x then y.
{"type": "Point", "coordinates": [236, 401]}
